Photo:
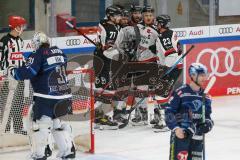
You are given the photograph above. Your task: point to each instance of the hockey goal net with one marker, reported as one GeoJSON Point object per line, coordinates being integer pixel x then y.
{"type": "Point", "coordinates": [16, 98]}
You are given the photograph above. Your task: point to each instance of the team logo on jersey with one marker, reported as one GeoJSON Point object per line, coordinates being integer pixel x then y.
{"type": "Point", "coordinates": [197, 104]}
{"type": "Point", "coordinates": [16, 56]}
{"type": "Point", "coordinates": [182, 155]}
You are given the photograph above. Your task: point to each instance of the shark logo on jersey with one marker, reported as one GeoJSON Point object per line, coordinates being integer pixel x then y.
{"type": "Point", "coordinates": [197, 104]}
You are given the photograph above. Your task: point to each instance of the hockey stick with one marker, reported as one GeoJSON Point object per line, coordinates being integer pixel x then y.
{"type": "Point", "coordinates": [209, 86]}
{"type": "Point", "coordinates": [167, 72]}
{"type": "Point", "coordinates": [79, 32]}
{"type": "Point", "coordinates": [129, 116]}
{"type": "Point", "coordinates": [178, 61]}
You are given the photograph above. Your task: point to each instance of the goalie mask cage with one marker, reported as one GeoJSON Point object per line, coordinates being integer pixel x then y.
{"type": "Point", "coordinates": [16, 98]}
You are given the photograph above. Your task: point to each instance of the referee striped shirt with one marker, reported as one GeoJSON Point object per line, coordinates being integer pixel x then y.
{"type": "Point", "coordinates": [11, 51]}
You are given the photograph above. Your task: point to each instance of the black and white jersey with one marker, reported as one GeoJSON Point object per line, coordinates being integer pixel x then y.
{"type": "Point", "coordinates": [168, 48]}
{"type": "Point", "coordinates": [107, 36]}
{"type": "Point", "coordinates": [11, 51]}
{"type": "Point", "coordinates": [107, 33]}
{"type": "Point", "coordinates": [169, 42]}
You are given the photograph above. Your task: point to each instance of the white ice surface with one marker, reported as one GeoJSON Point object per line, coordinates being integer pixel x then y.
{"type": "Point", "coordinates": [140, 143]}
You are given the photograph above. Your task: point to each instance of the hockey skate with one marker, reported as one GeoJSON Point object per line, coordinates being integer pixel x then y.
{"type": "Point", "coordinates": [141, 117]}
{"type": "Point", "coordinates": [33, 157]}
{"type": "Point", "coordinates": [71, 155]}
{"type": "Point", "coordinates": [105, 123]}
{"type": "Point", "coordinates": [157, 122]}
{"type": "Point", "coordinates": [120, 116]}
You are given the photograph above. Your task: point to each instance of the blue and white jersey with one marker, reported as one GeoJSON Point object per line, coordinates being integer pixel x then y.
{"type": "Point", "coordinates": [185, 108]}
{"type": "Point", "coordinates": [46, 69]}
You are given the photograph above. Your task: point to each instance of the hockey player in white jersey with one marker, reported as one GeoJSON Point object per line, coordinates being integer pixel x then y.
{"type": "Point", "coordinates": [46, 69]}
{"type": "Point", "coordinates": [136, 15]}
{"type": "Point", "coordinates": [145, 52]}
{"type": "Point", "coordinates": [169, 51]}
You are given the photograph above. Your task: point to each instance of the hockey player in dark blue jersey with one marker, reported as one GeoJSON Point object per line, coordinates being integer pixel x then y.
{"type": "Point", "coordinates": [46, 69]}
{"type": "Point", "coordinates": [184, 116]}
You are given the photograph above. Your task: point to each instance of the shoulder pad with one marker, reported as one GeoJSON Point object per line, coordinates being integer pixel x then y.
{"type": "Point", "coordinates": [103, 22]}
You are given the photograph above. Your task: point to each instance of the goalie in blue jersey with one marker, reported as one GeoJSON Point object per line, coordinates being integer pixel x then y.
{"type": "Point", "coordinates": [184, 116]}
{"type": "Point", "coordinates": [46, 69]}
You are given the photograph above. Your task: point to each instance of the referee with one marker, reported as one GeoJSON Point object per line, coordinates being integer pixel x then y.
{"type": "Point", "coordinates": [11, 46]}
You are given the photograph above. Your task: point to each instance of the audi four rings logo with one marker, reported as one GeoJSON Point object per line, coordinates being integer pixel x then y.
{"type": "Point", "coordinates": [225, 30]}
{"type": "Point", "coordinates": [73, 42]}
{"type": "Point", "coordinates": [181, 33]}
{"type": "Point", "coordinates": [228, 61]}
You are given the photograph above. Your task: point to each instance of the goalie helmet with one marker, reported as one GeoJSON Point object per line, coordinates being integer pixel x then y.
{"type": "Point", "coordinates": [196, 69]}
{"type": "Point", "coordinates": [164, 20]}
{"type": "Point", "coordinates": [39, 38]}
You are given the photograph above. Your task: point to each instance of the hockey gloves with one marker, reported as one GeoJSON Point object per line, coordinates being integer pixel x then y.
{"type": "Point", "coordinates": [203, 128]}
{"type": "Point", "coordinates": [189, 132]}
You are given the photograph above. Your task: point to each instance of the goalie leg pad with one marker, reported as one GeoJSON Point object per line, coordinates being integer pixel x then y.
{"type": "Point", "coordinates": [62, 134]}
{"type": "Point", "coordinates": [39, 136]}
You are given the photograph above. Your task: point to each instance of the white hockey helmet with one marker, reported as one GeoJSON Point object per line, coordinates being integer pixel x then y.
{"type": "Point", "coordinates": [38, 39]}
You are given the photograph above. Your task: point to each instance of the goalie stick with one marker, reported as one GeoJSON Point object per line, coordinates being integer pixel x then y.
{"type": "Point", "coordinates": [167, 72]}
{"type": "Point", "coordinates": [207, 89]}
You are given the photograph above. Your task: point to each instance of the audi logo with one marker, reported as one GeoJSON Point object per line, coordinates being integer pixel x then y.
{"type": "Point", "coordinates": [73, 42]}
{"type": "Point", "coordinates": [181, 33]}
{"type": "Point", "coordinates": [225, 30]}
{"type": "Point", "coordinates": [215, 61]}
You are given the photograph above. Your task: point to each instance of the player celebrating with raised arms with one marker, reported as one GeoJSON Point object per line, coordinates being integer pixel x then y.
{"type": "Point", "coordinates": [184, 116]}
{"type": "Point", "coordinates": [46, 69]}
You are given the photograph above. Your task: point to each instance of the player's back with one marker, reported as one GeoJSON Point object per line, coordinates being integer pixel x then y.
{"type": "Point", "coordinates": [51, 78]}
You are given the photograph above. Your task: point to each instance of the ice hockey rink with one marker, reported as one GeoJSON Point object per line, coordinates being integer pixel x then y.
{"type": "Point", "coordinates": [141, 143]}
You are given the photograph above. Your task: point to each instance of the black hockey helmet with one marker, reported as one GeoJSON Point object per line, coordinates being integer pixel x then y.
{"type": "Point", "coordinates": [135, 8]}
{"type": "Point", "coordinates": [147, 9]}
{"type": "Point", "coordinates": [164, 20]}
{"type": "Point", "coordinates": [113, 10]}
{"type": "Point", "coordinates": [125, 13]}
